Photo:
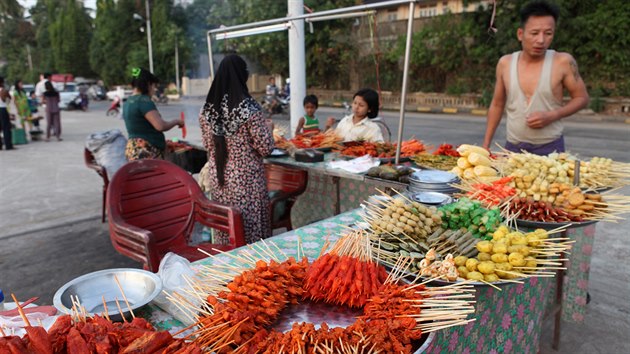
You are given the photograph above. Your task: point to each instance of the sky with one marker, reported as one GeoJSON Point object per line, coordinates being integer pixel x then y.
{"type": "Point", "coordinates": [29, 3]}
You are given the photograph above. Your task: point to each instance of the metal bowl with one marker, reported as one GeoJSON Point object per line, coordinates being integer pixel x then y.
{"type": "Point", "coordinates": [139, 287]}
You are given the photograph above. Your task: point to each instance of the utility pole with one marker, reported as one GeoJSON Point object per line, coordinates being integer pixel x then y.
{"type": "Point", "coordinates": [176, 64]}
{"type": "Point", "coordinates": [30, 59]}
{"type": "Point", "coordinates": [297, 62]}
{"type": "Point", "coordinates": [146, 2]}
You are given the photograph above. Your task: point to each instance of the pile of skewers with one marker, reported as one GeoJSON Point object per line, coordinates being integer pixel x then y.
{"type": "Point", "coordinates": [237, 317]}
{"type": "Point", "coordinates": [82, 334]}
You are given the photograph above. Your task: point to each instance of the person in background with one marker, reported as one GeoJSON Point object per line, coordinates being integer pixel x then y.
{"type": "Point", "coordinates": [144, 123]}
{"type": "Point", "coordinates": [53, 115]}
{"type": "Point", "coordinates": [272, 92]}
{"type": "Point", "coordinates": [5, 118]}
{"type": "Point", "coordinates": [530, 84]}
{"type": "Point", "coordinates": [33, 104]}
{"type": "Point", "coordinates": [309, 124]}
{"type": "Point", "coordinates": [357, 126]}
{"type": "Point", "coordinates": [40, 87]}
{"type": "Point", "coordinates": [21, 103]}
{"type": "Point", "coordinates": [237, 137]}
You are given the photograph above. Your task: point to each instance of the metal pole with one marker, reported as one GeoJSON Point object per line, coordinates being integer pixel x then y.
{"type": "Point", "coordinates": [146, 2]}
{"type": "Point", "coordinates": [210, 57]}
{"type": "Point", "coordinates": [403, 93]}
{"type": "Point", "coordinates": [30, 59]}
{"type": "Point", "coordinates": [297, 62]}
{"type": "Point", "coordinates": [177, 65]}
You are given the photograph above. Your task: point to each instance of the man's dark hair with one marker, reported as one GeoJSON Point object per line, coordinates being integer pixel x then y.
{"type": "Point", "coordinates": [312, 99]}
{"type": "Point", "coordinates": [1, 80]}
{"type": "Point", "coordinates": [539, 8]}
{"type": "Point", "coordinates": [46, 75]}
{"type": "Point", "coordinates": [142, 79]}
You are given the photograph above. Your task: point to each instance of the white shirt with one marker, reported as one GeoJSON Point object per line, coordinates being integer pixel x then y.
{"type": "Point", "coordinates": [40, 88]}
{"type": "Point", "coordinates": [365, 130]}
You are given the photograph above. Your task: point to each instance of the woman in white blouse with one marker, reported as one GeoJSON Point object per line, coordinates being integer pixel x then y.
{"type": "Point", "coordinates": [357, 126]}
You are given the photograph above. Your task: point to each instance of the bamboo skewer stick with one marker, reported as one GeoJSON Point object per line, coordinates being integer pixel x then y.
{"type": "Point", "coordinates": [20, 310]}
{"type": "Point", "coordinates": [124, 297]}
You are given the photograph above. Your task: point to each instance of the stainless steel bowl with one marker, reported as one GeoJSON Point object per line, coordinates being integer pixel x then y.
{"type": "Point", "coordinates": [139, 286]}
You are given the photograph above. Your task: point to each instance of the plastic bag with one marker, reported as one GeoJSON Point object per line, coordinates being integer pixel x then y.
{"type": "Point", "coordinates": [108, 148]}
{"type": "Point", "coordinates": [174, 270]}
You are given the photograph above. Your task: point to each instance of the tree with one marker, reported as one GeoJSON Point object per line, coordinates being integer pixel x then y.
{"type": "Point", "coordinates": [70, 33]}
{"type": "Point", "coordinates": [10, 9]}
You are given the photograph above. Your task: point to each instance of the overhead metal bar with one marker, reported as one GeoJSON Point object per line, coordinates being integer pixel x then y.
{"type": "Point", "coordinates": [358, 11]}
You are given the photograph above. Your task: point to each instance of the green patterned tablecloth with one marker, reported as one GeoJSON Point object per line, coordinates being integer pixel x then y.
{"type": "Point", "coordinates": [506, 321]}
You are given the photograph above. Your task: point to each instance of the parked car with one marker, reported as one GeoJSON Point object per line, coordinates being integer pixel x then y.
{"type": "Point", "coordinates": [68, 93]}
{"type": "Point", "coordinates": [113, 93]}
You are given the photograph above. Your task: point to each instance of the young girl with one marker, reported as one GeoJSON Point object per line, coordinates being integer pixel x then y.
{"type": "Point", "coordinates": [357, 126]}
{"type": "Point", "coordinates": [309, 124]}
{"type": "Point", "coordinates": [53, 117]}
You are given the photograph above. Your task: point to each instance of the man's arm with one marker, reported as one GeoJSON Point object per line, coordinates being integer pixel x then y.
{"type": "Point", "coordinates": [495, 112]}
{"type": "Point", "coordinates": [573, 83]}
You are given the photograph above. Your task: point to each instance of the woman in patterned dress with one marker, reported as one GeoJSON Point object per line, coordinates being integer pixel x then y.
{"type": "Point", "coordinates": [237, 137]}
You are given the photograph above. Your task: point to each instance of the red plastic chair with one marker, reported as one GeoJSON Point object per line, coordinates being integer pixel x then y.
{"type": "Point", "coordinates": [153, 206]}
{"type": "Point", "coordinates": [285, 185]}
{"type": "Point", "coordinates": [90, 162]}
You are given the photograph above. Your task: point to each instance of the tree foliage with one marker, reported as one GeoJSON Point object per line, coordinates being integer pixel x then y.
{"type": "Point", "coordinates": [457, 53]}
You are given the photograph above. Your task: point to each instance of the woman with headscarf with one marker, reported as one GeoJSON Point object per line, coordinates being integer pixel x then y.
{"type": "Point", "coordinates": [237, 137]}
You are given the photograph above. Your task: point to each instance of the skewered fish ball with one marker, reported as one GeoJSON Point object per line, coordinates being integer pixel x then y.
{"type": "Point", "coordinates": [471, 264]}
{"type": "Point", "coordinates": [474, 276]}
{"type": "Point", "coordinates": [484, 246]}
{"type": "Point", "coordinates": [499, 258]}
{"type": "Point", "coordinates": [463, 271]}
{"type": "Point", "coordinates": [517, 259]}
{"type": "Point", "coordinates": [486, 267]}
{"type": "Point", "coordinates": [460, 260]}
{"type": "Point", "coordinates": [499, 248]}
{"type": "Point", "coordinates": [482, 256]}
{"type": "Point", "coordinates": [491, 277]}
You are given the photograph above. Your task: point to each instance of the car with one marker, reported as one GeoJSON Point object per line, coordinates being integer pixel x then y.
{"type": "Point", "coordinates": [113, 93]}
{"type": "Point", "coordinates": [68, 93]}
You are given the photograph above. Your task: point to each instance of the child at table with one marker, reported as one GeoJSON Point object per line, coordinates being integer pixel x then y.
{"type": "Point", "coordinates": [309, 124]}
{"type": "Point", "coordinates": [357, 126]}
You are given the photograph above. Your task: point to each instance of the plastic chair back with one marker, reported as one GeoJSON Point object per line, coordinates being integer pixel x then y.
{"type": "Point", "coordinates": [153, 206]}
{"type": "Point", "coordinates": [291, 182]}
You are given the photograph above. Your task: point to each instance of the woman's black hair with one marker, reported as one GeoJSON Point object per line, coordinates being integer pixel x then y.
{"type": "Point", "coordinates": [1, 81]}
{"type": "Point", "coordinates": [142, 79]}
{"type": "Point", "coordinates": [371, 98]}
{"type": "Point", "coordinates": [230, 80]}
{"type": "Point", "coordinates": [539, 8]}
{"type": "Point", "coordinates": [17, 88]}
{"type": "Point", "coordinates": [49, 87]}
{"type": "Point", "coordinates": [312, 99]}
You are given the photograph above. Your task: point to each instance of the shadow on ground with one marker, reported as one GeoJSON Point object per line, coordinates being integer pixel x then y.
{"type": "Point", "coordinates": [39, 263]}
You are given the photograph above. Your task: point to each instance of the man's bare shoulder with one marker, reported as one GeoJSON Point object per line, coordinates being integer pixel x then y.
{"type": "Point", "coordinates": [564, 59]}
{"type": "Point", "coordinates": [504, 63]}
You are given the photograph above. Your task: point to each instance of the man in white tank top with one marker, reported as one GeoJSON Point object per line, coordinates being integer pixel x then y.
{"type": "Point", "coordinates": [529, 87]}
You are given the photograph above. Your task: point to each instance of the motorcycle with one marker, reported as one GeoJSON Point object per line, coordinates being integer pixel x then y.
{"type": "Point", "coordinates": [76, 103]}
{"type": "Point", "coordinates": [275, 105]}
{"type": "Point", "coordinates": [114, 108]}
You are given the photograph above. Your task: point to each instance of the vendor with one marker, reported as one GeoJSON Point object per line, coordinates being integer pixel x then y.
{"type": "Point", "coordinates": [358, 126]}
{"type": "Point", "coordinates": [530, 85]}
{"type": "Point", "coordinates": [144, 123]}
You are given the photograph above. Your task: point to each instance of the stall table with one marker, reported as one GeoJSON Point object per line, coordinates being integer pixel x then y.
{"type": "Point", "coordinates": [506, 321]}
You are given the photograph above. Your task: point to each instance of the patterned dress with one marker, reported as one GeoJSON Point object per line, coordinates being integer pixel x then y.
{"type": "Point", "coordinates": [248, 139]}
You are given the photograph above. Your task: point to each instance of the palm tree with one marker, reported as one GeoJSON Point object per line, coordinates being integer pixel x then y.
{"type": "Point", "coordinates": [10, 8]}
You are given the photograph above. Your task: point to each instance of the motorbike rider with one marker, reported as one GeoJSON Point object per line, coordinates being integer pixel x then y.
{"type": "Point", "coordinates": [271, 92]}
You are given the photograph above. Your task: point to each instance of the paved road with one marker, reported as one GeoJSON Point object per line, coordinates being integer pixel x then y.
{"type": "Point", "coordinates": [51, 232]}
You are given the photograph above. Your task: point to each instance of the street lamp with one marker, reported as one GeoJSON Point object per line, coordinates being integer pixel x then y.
{"type": "Point", "coordinates": [148, 23]}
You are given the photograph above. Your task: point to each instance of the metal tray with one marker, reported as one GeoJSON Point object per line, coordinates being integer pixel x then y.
{"type": "Point", "coordinates": [334, 316]}
{"type": "Point", "coordinates": [552, 225]}
{"type": "Point", "coordinates": [431, 198]}
{"type": "Point", "coordinates": [433, 177]}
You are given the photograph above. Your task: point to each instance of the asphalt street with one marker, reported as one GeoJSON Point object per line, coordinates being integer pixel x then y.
{"type": "Point", "coordinates": [50, 204]}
